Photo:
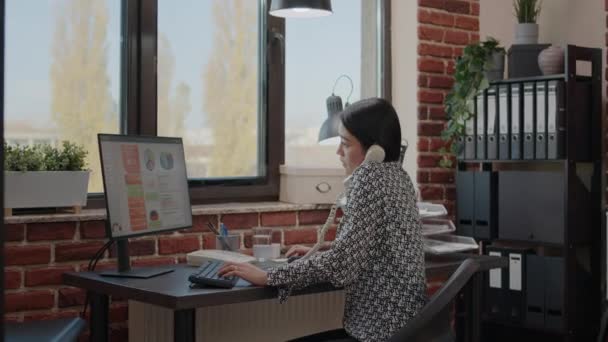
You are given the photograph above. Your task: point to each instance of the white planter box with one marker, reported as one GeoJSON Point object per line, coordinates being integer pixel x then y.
{"type": "Point", "coordinates": [43, 189]}
{"type": "Point", "coordinates": [304, 185]}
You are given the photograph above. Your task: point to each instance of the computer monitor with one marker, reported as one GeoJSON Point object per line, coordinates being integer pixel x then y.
{"type": "Point", "coordinates": [146, 191]}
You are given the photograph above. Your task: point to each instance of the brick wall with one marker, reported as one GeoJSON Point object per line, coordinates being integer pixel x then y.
{"type": "Point", "coordinates": [444, 28]}
{"type": "Point", "coordinates": [38, 253]}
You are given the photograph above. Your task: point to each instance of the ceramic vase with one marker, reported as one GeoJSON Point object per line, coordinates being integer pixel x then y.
{"type": "Point", "coordinates": [526, 33]}
{"type": "Point", "coordinates": [551, 60]}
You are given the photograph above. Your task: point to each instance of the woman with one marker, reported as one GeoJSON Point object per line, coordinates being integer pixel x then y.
{"type": "Point", "coordinates": [377, 255]}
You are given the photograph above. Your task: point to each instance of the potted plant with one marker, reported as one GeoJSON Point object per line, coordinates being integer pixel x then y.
{"type": "Point", "coordinates": [471, 76]}
{"type": "Point", "coordinates": [526, 29]}
{"type": "Point", "coordinates": [42, 176]}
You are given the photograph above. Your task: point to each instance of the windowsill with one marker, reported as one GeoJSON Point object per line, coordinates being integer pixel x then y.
{"type": "Point", "coordinates": [204, 209]}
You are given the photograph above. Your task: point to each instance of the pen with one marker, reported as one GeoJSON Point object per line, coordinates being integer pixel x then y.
{"type": "Point", "coordinates": [220, 237]}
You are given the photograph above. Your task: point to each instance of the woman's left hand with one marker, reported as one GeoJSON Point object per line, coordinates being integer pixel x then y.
{"type": "Point", "coordinates": [244, 270]}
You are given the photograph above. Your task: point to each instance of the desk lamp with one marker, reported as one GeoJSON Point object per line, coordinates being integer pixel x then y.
{"type": "Point", "coordinates": [329, 128]}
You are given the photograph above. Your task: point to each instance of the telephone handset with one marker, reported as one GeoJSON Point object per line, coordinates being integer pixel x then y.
{"type": "Point", "coordinates": [375, 153]}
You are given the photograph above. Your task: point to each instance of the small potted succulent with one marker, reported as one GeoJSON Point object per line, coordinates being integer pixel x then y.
{"type": "Point", "coordinates": [43, 176]}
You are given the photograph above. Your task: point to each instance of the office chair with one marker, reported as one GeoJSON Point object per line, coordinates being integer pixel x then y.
{"type": "Point", "coordinates": [432, 323]}
{"type": "Point", "coordinates": [58, 330]}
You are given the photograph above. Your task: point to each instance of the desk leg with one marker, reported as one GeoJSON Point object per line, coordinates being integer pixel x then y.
{"type": "Point", "coordinates": [99, 317]}
{"type": "Point", "coordinates": [183, 325]}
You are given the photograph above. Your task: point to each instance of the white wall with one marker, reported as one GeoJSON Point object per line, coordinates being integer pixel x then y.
{"type": "Point", "coordinates": [404, 44]}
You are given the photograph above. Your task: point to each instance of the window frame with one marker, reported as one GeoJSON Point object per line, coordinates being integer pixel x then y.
{"type": "Point", "coordinates": [139, 97]}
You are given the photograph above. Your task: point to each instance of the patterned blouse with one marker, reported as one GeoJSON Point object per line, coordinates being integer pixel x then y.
{"type": "Point", "coordinates": [377, 255]}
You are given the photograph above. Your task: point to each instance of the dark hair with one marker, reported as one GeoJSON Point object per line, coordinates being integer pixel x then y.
{"type": "Point", "coordinates": [374, 121]}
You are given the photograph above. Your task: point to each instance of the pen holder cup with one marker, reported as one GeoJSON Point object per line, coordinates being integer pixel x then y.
{"type": "Point", "coordinates": [231, 240]}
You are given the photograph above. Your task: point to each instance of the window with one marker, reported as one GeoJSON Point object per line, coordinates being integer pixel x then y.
{"type": "Point", "coordinates": [207, 86]}
{"type": "Point", "coordinates": [62, 73]}
{"type": "Point", "coordinates": [318, 52]}
{"type": "Point", "coordinates": [210, 71]}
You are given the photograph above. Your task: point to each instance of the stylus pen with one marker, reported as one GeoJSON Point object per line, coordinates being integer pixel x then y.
{"type": "Point", "coordinates": [221, 238]}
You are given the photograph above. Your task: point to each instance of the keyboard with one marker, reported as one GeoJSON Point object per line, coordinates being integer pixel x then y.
{"type": "Point", "coordinates": [206, 274]}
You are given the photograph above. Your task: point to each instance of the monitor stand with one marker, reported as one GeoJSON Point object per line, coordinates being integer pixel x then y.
{"type": "Point", "coordinates": [125, 270]}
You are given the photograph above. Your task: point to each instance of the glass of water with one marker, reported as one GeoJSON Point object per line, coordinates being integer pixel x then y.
{"type": "Point", "coordinates": [262, 243]}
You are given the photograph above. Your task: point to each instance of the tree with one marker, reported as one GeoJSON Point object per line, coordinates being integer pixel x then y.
{"type": "Point", "coordinates": [230, 95]}
{"type": "Point", "coordinates": [171, 111]}
{"type": "Point", "coordinates": [81, 103]}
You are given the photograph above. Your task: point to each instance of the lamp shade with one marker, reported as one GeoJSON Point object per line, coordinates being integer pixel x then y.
{"type": "Point", "coordinates": [300, 8]}
{"type": "Point", "coordinates": [329, 128]}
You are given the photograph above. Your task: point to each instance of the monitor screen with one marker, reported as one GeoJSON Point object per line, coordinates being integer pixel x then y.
{"type": "Point", "coordinates": [145, 183]}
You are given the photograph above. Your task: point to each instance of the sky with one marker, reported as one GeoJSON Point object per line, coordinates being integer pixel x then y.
{"type": "Point", "coordinates": [317, 52]}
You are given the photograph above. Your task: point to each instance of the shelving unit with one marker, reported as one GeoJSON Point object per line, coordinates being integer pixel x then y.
{"type": "Point", "coordinates": [549, 213]}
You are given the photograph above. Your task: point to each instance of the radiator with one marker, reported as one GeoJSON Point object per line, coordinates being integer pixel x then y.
{"type": "Point", "coordinates": [264, 320]}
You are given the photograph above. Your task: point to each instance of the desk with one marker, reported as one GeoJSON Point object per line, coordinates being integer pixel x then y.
{"type": "Point", "coordinates": [172, 291]}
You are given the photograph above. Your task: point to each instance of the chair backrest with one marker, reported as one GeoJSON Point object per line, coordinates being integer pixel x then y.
{"type": "Point", "coordinates": [432, 323]}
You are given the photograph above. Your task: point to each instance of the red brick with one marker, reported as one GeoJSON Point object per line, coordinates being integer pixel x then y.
{"type": "Point", "coordinates": [70, 296]}
{"type": "Point", "coordinates": [431, 192]}
{"type": "Point", "coordinates": [102, 265]}
{"type": "Point", "coordinates": [30, 300]}
{"type": "Point", "coordinates": [423, 144]}
{"type": "Point", "coordinates": [426, 96]}
{"type": "Point", "coordinates": [450, 193]}
{"type": "Point", "coordinates": [93, 229]}
{"type": "Point", "coordinates": [299, 236]}
{"type": "Point", "coordinates": [277, 219]}
{"type": "Point", "coordinates": [27, 255]}
{"type": "Point", "coordinates": [422, 81]}
{"type": "Point", "coordinates": [430, 65]}
{"type": "Point", "coordinates": [199, 222]}
{"type": "Point", "coordinates": [119, 333]}
{"type": "Point", "coordinates": [14, 232]}
{"type": "Point", "coordinates": [51, 231]}
{"type": "Point", "coordinates": [474, 39]}
{"type": "Point", "coordinates": [157, 261]}
{"type": "Point", "coordinates": [439, 4]}
{"type": "Point", "coordinates": [427, 129]}
{"type": "Point", "coordinates": [428, 160]}
{"type": "Point", "coordinates": [330, 235]}
{"type": "Point", "coordinates": [423, 112]}
{"type": "Point", "coordinates": [47, 315]}
{"type": "Point", "coordinates": [437, 113]}
{"type": "Point", "coordinates": [240, 221]}
{"type": "Point", "coordinates": [119, 312]}
{"type": "Point", "coordinates": [312, 217]}
{"type": "Point", "coordinates": [457, 6]}
{"type": "Point", "coordinates": [209, 241]}
{"type": "Point", "coordinates": [178, 244]}
{"type": "Point", "coordinates": [450, 68]}
{"type": "Point", "coordinates": [77, 250]}
{"type": "Point", "coordinates": [430, 34]}
{"type": "Point", "coordinates": [422, 177]}
{"type": "Point", "coordinates": [46, 276]}
{"type": "Point", "coordinates": [138, 248]}
{"type": "Point", "coordinates": [12, 279]}
{"type": "Point", "coordinates": [435, 18]}
{"type": "Point", "coordinates": [437, 143]}
{"type": "Point", "coordinates": [458, 50]}
{"type": "Point", "coordinates": [456, 37]}
{"type": "Point", "coordinates": [475, 8]}
{"type": "Point", "coordinates": [445, 82]}
{"type": "Point", "coordinates": [434, 50]}
{"type": "Point", "coordinates": [442, 176]}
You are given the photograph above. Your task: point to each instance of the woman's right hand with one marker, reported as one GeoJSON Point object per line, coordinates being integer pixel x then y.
{"type": "Point", "coordinates": [297, 250]}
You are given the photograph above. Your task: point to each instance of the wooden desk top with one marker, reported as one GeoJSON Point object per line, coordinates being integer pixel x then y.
{"type": "Point", "coordinates": [172, 290]}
